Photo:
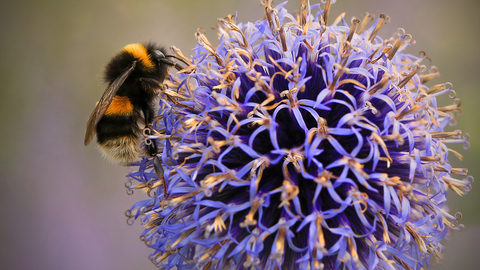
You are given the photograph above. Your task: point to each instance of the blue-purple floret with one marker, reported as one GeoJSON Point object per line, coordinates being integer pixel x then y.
{"type": "Point", "coordinates": [331, 154]}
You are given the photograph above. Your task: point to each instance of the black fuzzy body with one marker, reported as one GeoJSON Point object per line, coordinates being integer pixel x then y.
{"type": "Point", "coordinates": [118, 133]}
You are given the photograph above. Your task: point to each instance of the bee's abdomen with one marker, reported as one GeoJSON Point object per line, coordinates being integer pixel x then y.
{"type": "Point", "coordinates": [123, 150]}
{"type": "Point", "coordinates": [117, 132]}
{"type": "Point", "coordinates": [120, 106]}
{"type": "Point", "coordinates": [116, 126]}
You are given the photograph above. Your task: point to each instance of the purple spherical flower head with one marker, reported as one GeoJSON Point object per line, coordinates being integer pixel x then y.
{"type": "Point", "coordinates": [300, 142]}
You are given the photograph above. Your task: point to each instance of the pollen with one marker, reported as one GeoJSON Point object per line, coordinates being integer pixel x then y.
{"type": "Point", "coordinates": [140, 52]}
{"type": "Point", "coordinates": [120, 106]}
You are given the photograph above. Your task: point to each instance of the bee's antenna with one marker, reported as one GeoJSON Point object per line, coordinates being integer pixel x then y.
{"type": "Point", "coordinates": [179, 59]}
{"type": "Point", "coordinates": [177, 66]}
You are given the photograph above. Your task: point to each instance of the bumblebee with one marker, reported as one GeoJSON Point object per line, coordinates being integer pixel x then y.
{"type": "Point", "coordinates": [134, 76]}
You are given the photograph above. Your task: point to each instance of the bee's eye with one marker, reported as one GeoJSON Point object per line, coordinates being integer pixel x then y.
{"type": "Point", "coordinates": [162, 58]}
{"type": "Point", "coordinates": [158, 54]}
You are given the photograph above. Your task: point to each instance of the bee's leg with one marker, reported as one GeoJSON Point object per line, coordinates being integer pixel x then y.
{"type": "Point", "coordinates": [152, 149]}
{"type": "Point", "coordinates": [157, 165]}
{"type": "Point", "coordinates": [178, 67]}
{"type": "Point", "coordinates": [150, 144]}
{"type": "Point", "coordinates": [151, 81]}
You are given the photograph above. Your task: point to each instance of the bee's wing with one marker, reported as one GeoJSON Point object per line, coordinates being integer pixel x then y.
{"type": "Point", "coordinates": [103, 104]}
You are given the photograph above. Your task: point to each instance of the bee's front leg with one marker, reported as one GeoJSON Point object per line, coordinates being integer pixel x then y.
{"type": "Point", "coordinates": [151, 81]}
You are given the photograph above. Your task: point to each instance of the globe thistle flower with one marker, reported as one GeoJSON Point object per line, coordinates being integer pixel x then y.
{"type": "Point", "coordinates": [300, 142]}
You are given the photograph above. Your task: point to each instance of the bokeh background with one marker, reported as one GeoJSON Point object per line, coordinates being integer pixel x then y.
{"type": "Point", "coordinates": [62, 206]}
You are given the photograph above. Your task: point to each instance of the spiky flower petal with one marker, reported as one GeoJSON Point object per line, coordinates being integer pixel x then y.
{"type": "Point", "coordinates": [300, 143]}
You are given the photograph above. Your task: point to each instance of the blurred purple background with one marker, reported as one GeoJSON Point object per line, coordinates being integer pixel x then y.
{"type": "Point", "coordinates": [63, 206]}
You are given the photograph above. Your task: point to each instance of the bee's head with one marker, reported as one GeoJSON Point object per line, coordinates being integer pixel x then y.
{"type": "Point", "coordinates": [161, 59]}
{"type": "Point", "coordinates": [151, 61]}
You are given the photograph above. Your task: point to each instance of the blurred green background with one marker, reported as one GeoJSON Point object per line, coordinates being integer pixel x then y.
{"type": "Point", "coordinates": [63, 206]}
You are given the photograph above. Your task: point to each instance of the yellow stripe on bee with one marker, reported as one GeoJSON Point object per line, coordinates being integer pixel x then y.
{"type": "Point", "coordinates": [140, 52]}
{"type": "Point", "coordinates": [120, 106]}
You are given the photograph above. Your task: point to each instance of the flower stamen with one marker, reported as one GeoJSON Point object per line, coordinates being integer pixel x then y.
{"type": "Point", "coordinates": [368, 18]}
{"type": "Point", "coordinates": [381, 21]}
